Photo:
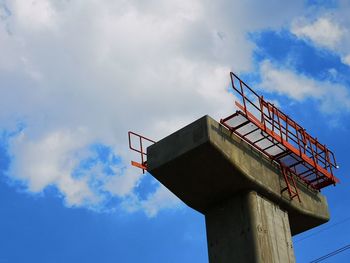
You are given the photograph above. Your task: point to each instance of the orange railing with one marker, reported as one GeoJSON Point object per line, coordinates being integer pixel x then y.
{"type": "Point", "coordinates": [280, 137]}
{"type": "Point", "coordinates": [142, 143]}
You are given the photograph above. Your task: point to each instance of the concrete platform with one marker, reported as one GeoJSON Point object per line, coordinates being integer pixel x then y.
{"type": "Point", "coordinates": [206, 166]}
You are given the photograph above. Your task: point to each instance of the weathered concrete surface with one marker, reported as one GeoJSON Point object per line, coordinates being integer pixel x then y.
{"type": "Point", "coordinates": [204, 166]}
{"type": "Point", "coordinates": [248, 228]}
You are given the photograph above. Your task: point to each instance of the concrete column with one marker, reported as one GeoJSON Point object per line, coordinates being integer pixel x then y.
{"type": "Point", "coordinates": [205, 164]}
{"type": "Point", "coordinates": [248, 228]}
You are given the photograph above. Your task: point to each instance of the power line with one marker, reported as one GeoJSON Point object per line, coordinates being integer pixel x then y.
{"type": "Point", "coordinates": [324, 229]}
{"type": "Point", "coordinates": [333, 253]}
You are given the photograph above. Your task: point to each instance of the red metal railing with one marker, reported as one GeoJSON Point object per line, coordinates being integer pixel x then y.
{"type": "Point", "coordinates": [141, 149]}
{"type": "Point", "coordinates": [274, 133]}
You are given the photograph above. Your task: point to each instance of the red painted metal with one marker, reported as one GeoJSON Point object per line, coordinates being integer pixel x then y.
{"type": "Point", "coordinates": [283, 140]}
{"type": "Point", "coordinates": [141, 149]}
{"type": "Point", "coordinates": [291, 186]}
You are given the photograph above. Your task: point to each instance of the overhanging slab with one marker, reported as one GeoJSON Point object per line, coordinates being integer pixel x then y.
{"type": "Point", "coordinates": [204, 165]}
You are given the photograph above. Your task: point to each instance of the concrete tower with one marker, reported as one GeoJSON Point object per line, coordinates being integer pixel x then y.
{"type": "Point", "coordinates": [255, 176]}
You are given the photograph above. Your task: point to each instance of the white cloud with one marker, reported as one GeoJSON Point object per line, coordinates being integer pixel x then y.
{"type": "Point", "coordinates": [161, 199]}
{"type": "Point", "coordinates": [323, 31]}
{"type": "Point", "coordinates": [326, 28]}
{"type": "Point", "coordinates": [35, 14]}
{"type": "Point", "coordinates": [287, 82]}
{"type": "Point", "coordinates": [81, 72]}
{"type": "Point", "coordinates": [50, 161]}
{"type": "Point", "coordinates": [122, 184]}
{"type": "Point", "coordinates": [346, 59]}
{"type": "Point", "coordinates": [332, 97]}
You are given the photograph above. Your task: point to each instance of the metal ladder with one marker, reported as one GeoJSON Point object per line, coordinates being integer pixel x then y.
{"type": "Point", "coordinates": [290, 182]}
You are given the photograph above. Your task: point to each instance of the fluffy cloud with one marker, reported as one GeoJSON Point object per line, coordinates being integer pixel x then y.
{"type": "Point", "coordinates": [326, 29]}
{"type": "Point", "coordinates": [162, 198]}
{"type": "Point", "coordinates": [323, 31]}
{"type": "Point", "coordinates": [332, 97]}
{"type": "Point", "coordinates": [346, 60]}
{"type": "Point", "coordinates": [50, 160]}
{"type": "Point", "coordinates": [79, 73]}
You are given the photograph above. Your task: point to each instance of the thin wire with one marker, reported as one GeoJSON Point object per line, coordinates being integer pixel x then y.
{"type": "Point", "coordinates": [333, 253]}
{"type": "Point", "coordinates": [324, 229]}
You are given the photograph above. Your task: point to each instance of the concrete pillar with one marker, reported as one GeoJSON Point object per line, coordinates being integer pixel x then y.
{"type": "Point", "coordinates": [248, 228]}
{"type": "Point", "coordinates": [219, 175]}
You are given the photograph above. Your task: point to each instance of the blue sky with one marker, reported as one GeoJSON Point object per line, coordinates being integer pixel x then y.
{"type": "Point", "coordinates": [75, 77]}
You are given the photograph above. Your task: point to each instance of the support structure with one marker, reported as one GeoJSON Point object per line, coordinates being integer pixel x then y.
{"type": "Point", "coordinates": [249, 216]}
{"type": "Point", "coordinates": [256, 177]}
{"type": "Point", "coordinates": [248, 228]}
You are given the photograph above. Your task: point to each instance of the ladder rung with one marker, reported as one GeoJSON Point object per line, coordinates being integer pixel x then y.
{"type": "Point", "coordinates": [290, 182]}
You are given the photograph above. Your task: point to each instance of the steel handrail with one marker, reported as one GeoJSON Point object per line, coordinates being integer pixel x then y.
{"type": "Point", "coordinates": [287, 131]}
